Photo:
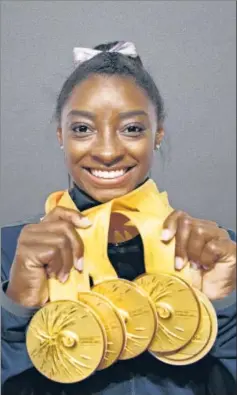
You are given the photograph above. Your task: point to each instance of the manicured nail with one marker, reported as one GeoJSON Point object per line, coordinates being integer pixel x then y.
{"type": "Point", "coordinates": [194, 265]}
{"type": "Point", "coordinates": [79, 264]}
{"type": "Point", "coordinates": [63, 277]}
{"type": "Point", "coordinates": [166, 235]}
{"type": "Point", "coordinates": [179, 263]}
{"type": "Point", "coordinates": [84, 222]}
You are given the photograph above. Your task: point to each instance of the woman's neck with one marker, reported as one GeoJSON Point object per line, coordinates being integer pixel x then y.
{"type": "Point", "coordinates": [83, 201]}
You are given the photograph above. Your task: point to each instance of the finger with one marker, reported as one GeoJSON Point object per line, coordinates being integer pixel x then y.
{"type": "Point", "coordinates": [53, 250]}
{"type": "Point", "coordinates": [76, 243]}
{"type": "Point", "coordinates": [170, 225]}
{"type": "Point", "coordinates": [45, 257]}
{"type": "Point", "coordinates": [69, 215]}
{"type": "Point", "coordinates": [67, 263]}
{"type": "Point", "coordinates": [34, 234]}
{"type": "Point", "coordinates": [71, 248]}
{"type": "Point", "coordinates": [211, 253]}
{"type": "Point", "coordinates": [40, 250]}
{"type": "Point", "coordinates": [207, 222]}
{"type": "Point", "coordinates": [199, 236]}
{"type": "Point", "coordinates": [223, 234]}
{"type": "Point", "coordinates": [79, 264]}
{"type": "Point", "coordinates": [60, 265]}
{"type": "Point", "coordinates": [54, 266]}
{"type": "Point", "coordinates": [182, 239]}
{"type": "Point", "coordinates": [65, 228]}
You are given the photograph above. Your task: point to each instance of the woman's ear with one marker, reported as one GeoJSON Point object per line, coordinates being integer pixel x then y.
{"type": "Point", "coordinates": [160, 133]}
{"type": "Point", "coordinates": [60, 136]}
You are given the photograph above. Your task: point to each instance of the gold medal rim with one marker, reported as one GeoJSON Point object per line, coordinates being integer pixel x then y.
{"type": "Point", "coordinates": [103, 364]}
{"type": "Point", "coordinates": [170, 359]}
{"type": "Point", "coordinates": [173, 276]}
{"type": "Point", "coordinates": [100, 326]}
{"type": "Point", "coordinates": [152, 309]}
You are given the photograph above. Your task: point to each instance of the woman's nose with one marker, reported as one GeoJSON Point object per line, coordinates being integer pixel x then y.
{"type": "Point", "coordinates": [108, 150]}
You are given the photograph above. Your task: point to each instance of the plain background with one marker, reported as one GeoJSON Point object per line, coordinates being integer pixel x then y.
{"type": "Point", "coordinates": [190, 49]}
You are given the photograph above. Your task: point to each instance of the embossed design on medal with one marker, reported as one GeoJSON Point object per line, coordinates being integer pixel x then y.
{"type": "Point", "coordinates": [138, 313]}
{"type": "Point", "coordinates": [203, 340]}
{"type": "Point", "coordinates": [113, 323]}
{"type": "Point", "coordinates": [177, 308]}
{"type": "Point", "coordinates": [66, 341]}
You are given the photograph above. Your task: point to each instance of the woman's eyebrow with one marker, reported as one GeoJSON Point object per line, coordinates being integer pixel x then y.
{"type": "Point", "coordinates": [92, 116]}
{"type": "Point", "coordinates": [133, 113]}
{"type": "Point", "coordinates": [82, 113]}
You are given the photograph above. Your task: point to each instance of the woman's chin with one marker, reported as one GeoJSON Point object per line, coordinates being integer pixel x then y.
{"type": "Point", "coordinates": [104, 190]}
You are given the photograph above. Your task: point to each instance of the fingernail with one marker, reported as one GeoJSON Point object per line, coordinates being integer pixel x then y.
{"type": "Point", "coordinates": [166, 235]}
{"type": "Point", "coordinates": [206, 267]}
{"type": "Point", "coordinates": [194, 265]}
{"type": "Point", "coordinates": [63, 277]}
{"type": "Point", "coordinates": [179, 263]}
{"type": "Point", "coordinates": [79, 264]}
{"type": "Point", "coordinates": [84, 222]}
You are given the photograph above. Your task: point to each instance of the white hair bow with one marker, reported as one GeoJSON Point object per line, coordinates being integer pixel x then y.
{"type": "Point", "coordinates": [83, 54]}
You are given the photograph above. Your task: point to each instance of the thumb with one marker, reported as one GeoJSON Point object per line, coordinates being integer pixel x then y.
{"type": "Point", "coordinates": [68, 215]}
{"type": "Point", "coordinates": [170, 226]}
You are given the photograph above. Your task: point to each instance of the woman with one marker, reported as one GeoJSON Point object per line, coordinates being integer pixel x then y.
{"type": "Point", "coordinates": [110, 121]}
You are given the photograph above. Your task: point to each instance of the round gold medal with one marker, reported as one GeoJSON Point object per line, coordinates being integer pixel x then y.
{"type": "Point", "coordinates": [137, 311]}
{"type": "Point", "coordinates": [177, 309]}
{"type": "Point", "coordinates": [113, 323]}
{"type": "Point", "coordinates": [66, 341]}
{"type": "Point", "coordinates": [202, 341]}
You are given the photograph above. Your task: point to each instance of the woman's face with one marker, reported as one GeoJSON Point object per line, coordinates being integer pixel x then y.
{"type": "Point", "coordinates": [109, 131]}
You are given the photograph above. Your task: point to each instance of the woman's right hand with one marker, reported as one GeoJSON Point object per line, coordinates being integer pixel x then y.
{"type": "Point", "coordinates": [47, 249]}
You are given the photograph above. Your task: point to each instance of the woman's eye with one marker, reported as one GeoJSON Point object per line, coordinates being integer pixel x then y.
{"type": "Point", "coordinates": [134, 130]}
{"type": "Point", "coordinates": [80, 129]}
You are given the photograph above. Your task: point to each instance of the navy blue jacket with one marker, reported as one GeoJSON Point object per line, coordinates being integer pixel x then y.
{"type": "Point", "coordinates": [213, 375]}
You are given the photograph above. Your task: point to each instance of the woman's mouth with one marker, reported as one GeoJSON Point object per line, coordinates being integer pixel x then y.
{"type": "Point", "coordinates": [110, 175]}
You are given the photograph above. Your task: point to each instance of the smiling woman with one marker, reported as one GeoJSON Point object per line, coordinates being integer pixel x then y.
{"type": "Point", "coordinates": [109, 149]}
{"type": "Point", "coordinates": [110, 122]}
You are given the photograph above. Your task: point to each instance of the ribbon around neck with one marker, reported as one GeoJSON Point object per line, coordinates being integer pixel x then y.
{"type": "Point", "coordinates": [146, 208]}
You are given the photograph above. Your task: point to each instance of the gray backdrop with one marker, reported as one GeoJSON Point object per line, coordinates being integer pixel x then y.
{"type": "Point", "coordinates": [188, 46]}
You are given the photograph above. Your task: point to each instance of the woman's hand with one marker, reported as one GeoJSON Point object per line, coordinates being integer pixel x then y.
{"type": "Point", "coordinates": [47, 249]}
{"type": "Point", "coordinates": [209, 249]}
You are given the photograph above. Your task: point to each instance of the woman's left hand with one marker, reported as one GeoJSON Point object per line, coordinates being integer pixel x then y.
{"type": "Point", "coordinates": [208, 248]}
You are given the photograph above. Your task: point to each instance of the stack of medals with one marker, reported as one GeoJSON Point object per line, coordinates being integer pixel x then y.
{"type": "Point", "coordinates": [82, 330]}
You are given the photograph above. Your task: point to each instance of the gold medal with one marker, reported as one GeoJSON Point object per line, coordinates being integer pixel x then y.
{"type": "Point", "coordinates": [132, 303]}
{"type": "Point", "coordinates": [137, 312]}
{"type": "Point", "coordinates": [202, 341]}
{"type": "Point", "coordinates": [177, 308]}
{"type": "Point", "coordinates": [66, 341]}
{"type": "Point", "coordinates": [113, 323]}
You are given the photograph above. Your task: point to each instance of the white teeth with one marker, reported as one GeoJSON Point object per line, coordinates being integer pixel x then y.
{"type": "Point", "coordinates": [108, 174]}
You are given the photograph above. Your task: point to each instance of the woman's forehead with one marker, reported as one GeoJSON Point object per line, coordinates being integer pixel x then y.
{"type": "Point", "coordinates": [100, 92]}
